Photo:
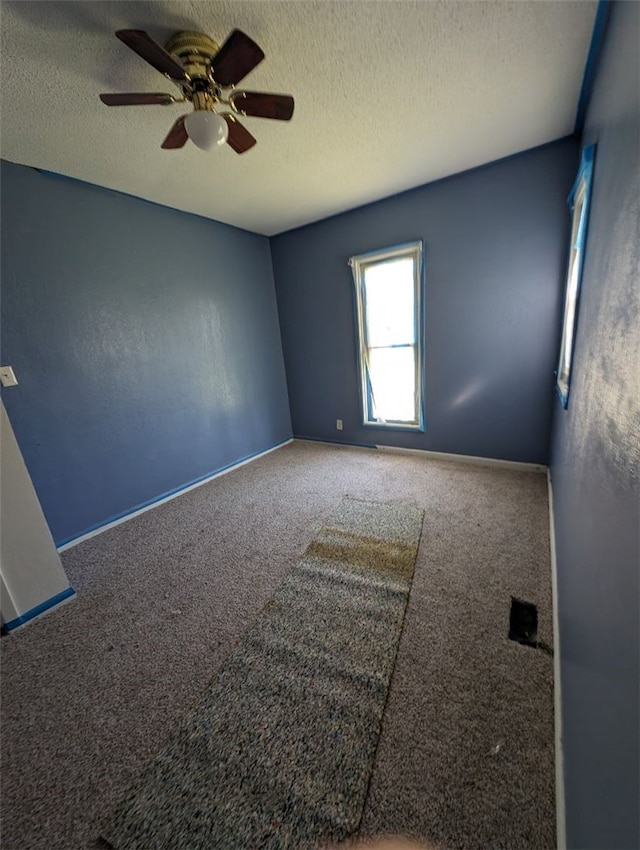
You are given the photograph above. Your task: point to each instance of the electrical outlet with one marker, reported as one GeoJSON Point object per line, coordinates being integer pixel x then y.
{"type": "Point", "coordinates": [8, 377]}
{"type": "Point", "coordinates": [339, 424]}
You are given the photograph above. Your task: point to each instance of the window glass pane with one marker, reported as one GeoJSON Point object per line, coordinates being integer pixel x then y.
{"type": "Point", "coordinates": [578, 208]}
{"type": "Point", "coordinates": [570, 317]}
{"type": "Point", "coordinates": [389, 303]}
{"type": "Point", "coordinates": [575, 224]}
{"type": "Point", "coordinates": [393, 375]}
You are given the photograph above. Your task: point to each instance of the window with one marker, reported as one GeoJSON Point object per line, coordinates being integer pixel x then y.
{"type": "Point", "coordinates": [388, 286]}
{"type": "Point", "coordinates": [578, 200]}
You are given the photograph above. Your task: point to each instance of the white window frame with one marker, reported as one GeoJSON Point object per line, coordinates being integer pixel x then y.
{"type": "Point", "coordinates": [359, 263]}
{"type": "Point", "coordinates": [578, 200]}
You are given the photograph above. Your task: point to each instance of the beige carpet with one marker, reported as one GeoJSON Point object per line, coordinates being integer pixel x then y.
{"type": "Point", "coordinates": [465, 756]}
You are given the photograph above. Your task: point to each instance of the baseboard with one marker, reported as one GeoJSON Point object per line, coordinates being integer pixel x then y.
{"type": "Point", "coordinates": [63, 545]}
{"type": "Point", "coordinates": [473, 459]}
{"type": "Point", "coordinates": [43, 608]}
{"type": "Point", "coordinates": [561, 824]}
{"type": "Point", "coordinates": [336, 444]}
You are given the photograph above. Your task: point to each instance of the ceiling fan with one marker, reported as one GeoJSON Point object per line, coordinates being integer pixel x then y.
{"type": "Point", "coordinates": [207, 75]}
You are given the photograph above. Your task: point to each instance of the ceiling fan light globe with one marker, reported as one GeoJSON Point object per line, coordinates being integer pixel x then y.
{"type": "Point", "coordinates": [207, 130]}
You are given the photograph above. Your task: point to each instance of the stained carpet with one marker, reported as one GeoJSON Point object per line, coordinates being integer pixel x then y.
{"type": "Point", "coordinates": [279, 751]}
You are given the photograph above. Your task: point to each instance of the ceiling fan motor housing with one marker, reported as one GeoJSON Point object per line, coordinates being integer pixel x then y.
{"type": "Point", "coordinates": [194, 51]}
{"type": "Point", "coordinates": [192, 43]}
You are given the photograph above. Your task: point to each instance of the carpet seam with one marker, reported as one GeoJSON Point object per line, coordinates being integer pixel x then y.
{"type": "Point", "coordinates": [393, 672]}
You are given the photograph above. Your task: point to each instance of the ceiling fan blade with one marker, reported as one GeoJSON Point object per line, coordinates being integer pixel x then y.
{"type": "Point", "coordinates": [263, 105]}
{"type": "Point", "coordinates": [240, 139]}
{"type": "Point", "coordinates": [137, 99]}
{"type": "Point", "coordinates": [177, 135]}
{"type": "Point", "coordinates": [237, 56]}
{"type": "Point", "coordinates": [153, 53]}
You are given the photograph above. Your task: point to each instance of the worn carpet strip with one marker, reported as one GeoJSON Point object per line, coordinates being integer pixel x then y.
{"type": "Point", "coordinates": [279, 750]}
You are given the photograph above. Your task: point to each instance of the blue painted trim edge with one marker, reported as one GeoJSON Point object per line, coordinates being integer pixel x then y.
{"type": "Point", "coordinates": [595, 48]}
{"type": "Point", "coordinates": [166, 495]}
{"type": "Point", "coordinates": [39, 609]}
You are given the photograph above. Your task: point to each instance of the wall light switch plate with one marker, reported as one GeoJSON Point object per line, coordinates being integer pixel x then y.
{"type": "Point", "coordinates": [339, 424]}
{"type": "Point", "coordinates": [8, 377]}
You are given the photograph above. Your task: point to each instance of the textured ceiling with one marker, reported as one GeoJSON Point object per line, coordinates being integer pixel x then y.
{"type": "Point", "coordinates": [389, 95]}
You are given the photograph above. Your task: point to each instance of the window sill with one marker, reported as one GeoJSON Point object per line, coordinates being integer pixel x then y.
{"type": "Point", "coordinates": [392, 426]}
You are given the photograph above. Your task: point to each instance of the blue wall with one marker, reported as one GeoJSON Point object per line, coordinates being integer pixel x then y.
{"type": "Point", "coordinates": [145, 341]}
{"type": "Point", "coordinates": [495, 253]}
{"type": "Point", "coordinates": [596, 474]}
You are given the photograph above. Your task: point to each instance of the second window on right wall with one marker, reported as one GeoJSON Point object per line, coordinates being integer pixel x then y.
{"type": "Point", "coordinates": [578, 200]}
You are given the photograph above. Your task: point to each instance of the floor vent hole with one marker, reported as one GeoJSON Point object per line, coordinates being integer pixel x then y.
{"type": "Point", "coordinates": [523, 622]}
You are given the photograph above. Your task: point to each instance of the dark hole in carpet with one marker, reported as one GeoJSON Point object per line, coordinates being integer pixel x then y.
{"type": "Point", "coordinates": [523, 622]}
